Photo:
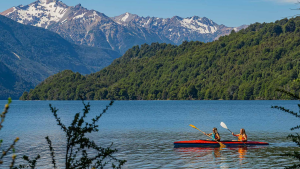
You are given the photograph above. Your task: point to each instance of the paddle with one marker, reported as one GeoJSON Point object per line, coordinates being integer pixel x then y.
{"type": "Point", "coordinates": [225, 127]}
{"type": "Point", "coordinates": [221, 144]}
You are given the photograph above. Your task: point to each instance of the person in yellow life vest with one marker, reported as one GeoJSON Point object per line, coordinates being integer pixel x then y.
{"type": "Point", "coordinates": [215, 135]}
{"type": "Point", "coordinates": [242, 136]}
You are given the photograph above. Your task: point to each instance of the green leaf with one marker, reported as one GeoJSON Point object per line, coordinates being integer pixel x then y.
{"type": "Point", "coordinates": [9, 100]}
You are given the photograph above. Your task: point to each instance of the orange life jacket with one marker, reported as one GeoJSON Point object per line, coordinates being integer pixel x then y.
{"type": "Point", "coordinates": [241, 138]}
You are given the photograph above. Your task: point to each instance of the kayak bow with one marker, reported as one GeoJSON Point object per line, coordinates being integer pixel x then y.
{"type": "Point", "coordinates": [208, 143]}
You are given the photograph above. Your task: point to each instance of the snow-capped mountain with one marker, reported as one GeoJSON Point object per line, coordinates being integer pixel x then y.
{"type": "Point", "coordinates": [81, 26]}
{"type": "Point", "coordinates": [178, 29]}
{"type": "Point", "coordinates": [192, 24]}
{"type": "Point", "coordinates": [40, 13]}
{"type": "Point", "coordinates": [89, 27]}
{"type": "Point", "coordinates": [201, 25]}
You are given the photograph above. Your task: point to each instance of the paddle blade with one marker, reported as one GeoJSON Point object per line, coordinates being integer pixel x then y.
{"type": "Point", "coordinates": [222, 145]}
{"type": "Point", "coordinates": [193, 126]}
{"type": "Point", "coordinates": [223, 125]}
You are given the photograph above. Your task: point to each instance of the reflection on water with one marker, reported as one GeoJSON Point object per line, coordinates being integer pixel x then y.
{"type": "Point", "coordinates": [242, 151]}
{"type": "Point", "coordinates": [233, 157]}
{"type": "Point", "coordinates": [144, 132]}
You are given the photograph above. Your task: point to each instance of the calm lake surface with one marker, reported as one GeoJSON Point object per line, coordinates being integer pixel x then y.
{"type": "Point", "coordinates": [144, 131]}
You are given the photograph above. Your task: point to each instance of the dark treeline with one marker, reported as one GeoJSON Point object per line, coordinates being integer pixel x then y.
{"type": "Point", "coordinates": [249, 64]}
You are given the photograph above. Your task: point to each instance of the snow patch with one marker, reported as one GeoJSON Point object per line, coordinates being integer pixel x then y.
{"type": "Point", "coordinates": [187, 21]}
{"type": "Point", "coordinates": [125, 17]}
{"type": "Point", "coordinates": [43, 1]}
{"type": "Point", "coordinates": [64, 21]}
{"type": "Point", "coordinates": [93, 16]}
{"type": "Point", "coordinates": [213, 29]}
{"type": "Point", "coordinates": [197, 26]}
{"type": "Point", "coordinates": [79, 16]}
{"type": "Point", "coordinates": [17, 55]}
{"type": "Point", "coordinates": [148, 21]}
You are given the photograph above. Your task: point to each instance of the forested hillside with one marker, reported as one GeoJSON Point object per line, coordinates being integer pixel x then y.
{"type": "Point", "coordinates": [249, 64]}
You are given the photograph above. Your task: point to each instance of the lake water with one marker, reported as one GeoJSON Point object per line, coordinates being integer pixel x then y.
{"type": "Point", "coordinates": [144, 131]}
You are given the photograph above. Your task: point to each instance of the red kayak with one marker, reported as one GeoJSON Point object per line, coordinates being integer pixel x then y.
{"type": "Point", "coordinates": [208, 143]}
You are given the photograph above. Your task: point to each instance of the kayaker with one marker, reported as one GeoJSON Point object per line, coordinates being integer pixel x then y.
{"type": "Point", "coordinates": [215, 135]}
{"type": "Point", "coordinates": [242, 136]}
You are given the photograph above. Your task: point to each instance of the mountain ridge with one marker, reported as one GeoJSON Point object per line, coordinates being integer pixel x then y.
{"type": "Point", "coordinates": [92, 28]}
{"type": "Point", "coordinates": [193, 28]}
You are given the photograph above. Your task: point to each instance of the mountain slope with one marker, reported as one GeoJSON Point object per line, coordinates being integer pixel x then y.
{"type": "Point", "coordinates": [11, 85]}
{"type": "Point", "coordinates": [34, 53]}
{"type": "Point", "coordinates": [89, 27]}
{"type": "Point", "coordinates": [249, 64]}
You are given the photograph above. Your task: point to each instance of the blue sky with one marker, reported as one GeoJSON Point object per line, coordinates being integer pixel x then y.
{"type": "Point", "coordinates": [227, 12]}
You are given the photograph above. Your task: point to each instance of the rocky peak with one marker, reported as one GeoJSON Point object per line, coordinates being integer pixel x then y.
{"type": "Point", "coordinates": [125, 18]}
{"type": "Point", "coordinates": [78, 6]}
{"type": "Point", "coordinates": [176, 18]}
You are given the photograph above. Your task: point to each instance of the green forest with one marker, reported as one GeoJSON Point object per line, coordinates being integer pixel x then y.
{"type": "Point", "coordinates": [246, 65]}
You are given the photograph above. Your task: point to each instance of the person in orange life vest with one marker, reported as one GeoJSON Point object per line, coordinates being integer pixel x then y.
{"type": "Point", "coordinates": [215, 135]}
{"type": "Point", "coordinates": [242, 136]}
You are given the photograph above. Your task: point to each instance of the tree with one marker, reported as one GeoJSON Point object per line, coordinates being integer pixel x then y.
{"type": "Point", "coordinates": [295, 138]}
{"type": "Point", "coordinates": [76, 155]}
{"type": "Point", "coordinates": [277, 29]}
{"type": "Point", "coordinates": [192, 91]}
{"type": "Point", "coordinates": [77, 142]}
{"type": "Point", "coordinates": [11, 148]}
{"type": "Point", "coordinates": [290, 26]}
